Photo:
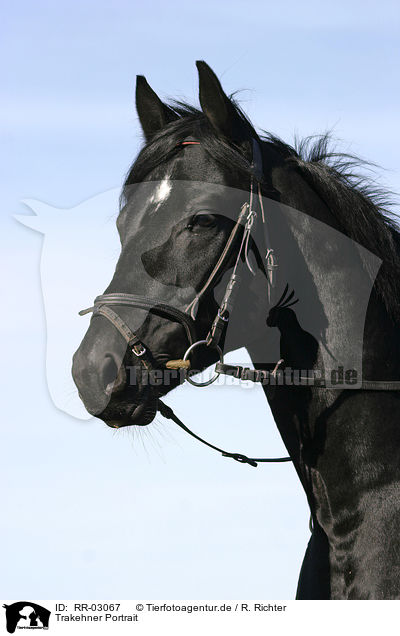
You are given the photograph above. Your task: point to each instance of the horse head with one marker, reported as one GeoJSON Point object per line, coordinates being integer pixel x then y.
{"type": "Point", "coordinates": [187, 208]}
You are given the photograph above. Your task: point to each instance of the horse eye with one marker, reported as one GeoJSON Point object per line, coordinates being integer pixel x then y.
{"type": "Point", "coordinates": [202, 220]}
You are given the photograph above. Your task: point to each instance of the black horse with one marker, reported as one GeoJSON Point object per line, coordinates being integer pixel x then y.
{"type": "Point", "coordinates": [344, 442]}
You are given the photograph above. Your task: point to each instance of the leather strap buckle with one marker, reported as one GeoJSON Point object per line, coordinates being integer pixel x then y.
{"type": "Point", "coordinates": [138, 349]}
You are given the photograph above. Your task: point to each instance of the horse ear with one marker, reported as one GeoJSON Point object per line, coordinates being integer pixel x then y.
{"type": "Point", "coordinates": [219, 109]}
{"type": "Point", "coordinates": [153, 113]}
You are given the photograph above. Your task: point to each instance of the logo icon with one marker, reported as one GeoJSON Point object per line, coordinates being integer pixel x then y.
{"type": "Point", "coordinates": [26, 615]}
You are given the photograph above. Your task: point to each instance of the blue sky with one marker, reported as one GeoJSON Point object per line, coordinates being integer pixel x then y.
{"type": "Point", "coordinates": [156, 516]}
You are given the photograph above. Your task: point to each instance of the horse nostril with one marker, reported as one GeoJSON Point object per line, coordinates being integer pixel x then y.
{"type": "Point", "coordinates": [113, 379]}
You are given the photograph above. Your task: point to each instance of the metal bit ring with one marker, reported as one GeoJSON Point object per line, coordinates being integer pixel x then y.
{"type": "Point", "coordinates": [187, 354]}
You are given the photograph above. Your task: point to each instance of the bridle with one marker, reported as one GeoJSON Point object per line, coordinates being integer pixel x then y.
{"type": "Point", "coordinates": [103, 306]}
{"type": "Point", "coordinates": [186, 318]}
{"type": "Point", "coordinates": [103, 303]}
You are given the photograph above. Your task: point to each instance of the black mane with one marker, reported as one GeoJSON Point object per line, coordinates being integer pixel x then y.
{"type": "Point", "coordinates": [362, 208]}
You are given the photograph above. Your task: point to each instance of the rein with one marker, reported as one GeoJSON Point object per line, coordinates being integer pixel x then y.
{"type": "Point", "coordinates": [167, 412]}
{"type": "Point", "coordinates": [245, 220]}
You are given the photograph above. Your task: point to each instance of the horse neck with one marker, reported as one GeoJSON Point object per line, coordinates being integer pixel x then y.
{"type": "Point", "coordinates": [330, 302]}
{"type": "Point", "coordinates": [331, 275]}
